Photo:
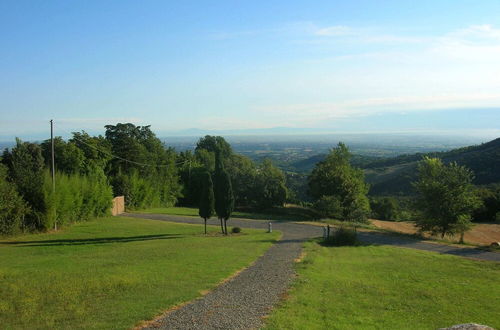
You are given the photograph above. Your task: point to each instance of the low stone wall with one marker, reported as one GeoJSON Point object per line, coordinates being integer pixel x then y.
{"type": "Point", "coordinates": [118, 205]}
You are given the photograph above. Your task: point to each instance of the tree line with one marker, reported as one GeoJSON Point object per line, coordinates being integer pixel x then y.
{"type": "Point", "coordinates": [445, 202]}
{"type": "Point", "coordinates": [131, 161]}
{"type": "Point", "coordinates": [128, 160]}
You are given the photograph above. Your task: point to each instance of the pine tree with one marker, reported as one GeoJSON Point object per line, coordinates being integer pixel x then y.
{"type": "Point", "coordinates": [207, 201]}
{"type": "Point", "coordinates": [224, 198]}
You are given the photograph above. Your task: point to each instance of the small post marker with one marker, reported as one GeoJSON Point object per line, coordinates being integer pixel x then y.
{"type": "Point", "coordinates": [270, 228]}
{"type": "Point", "coordinates": [324, 233]}
{"type": "Point", "coordinates": [327, 231]}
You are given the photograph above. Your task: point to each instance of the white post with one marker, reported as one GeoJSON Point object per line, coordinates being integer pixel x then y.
{"type": "Point", "coordinates": [270, 228]}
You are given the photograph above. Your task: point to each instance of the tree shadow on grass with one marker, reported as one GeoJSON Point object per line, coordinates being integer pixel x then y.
{"type": "Point", "coordinates": [86, 241]}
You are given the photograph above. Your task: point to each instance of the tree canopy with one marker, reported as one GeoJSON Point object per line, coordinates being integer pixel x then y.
{"type": "Point", "coordinates": [343, 184]}
{"type": "Point", "coordinates": [446, 197]}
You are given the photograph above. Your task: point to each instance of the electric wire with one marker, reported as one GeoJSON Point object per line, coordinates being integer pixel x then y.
{"type": "Point", "coordinates": [121, 158]}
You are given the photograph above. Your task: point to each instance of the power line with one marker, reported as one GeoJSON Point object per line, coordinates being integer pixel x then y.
{"type": "Point", "coordinates": [121, 158]}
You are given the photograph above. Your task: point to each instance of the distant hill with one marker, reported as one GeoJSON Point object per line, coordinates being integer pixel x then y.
{"type": "Point", "coordinates": [393, 176]}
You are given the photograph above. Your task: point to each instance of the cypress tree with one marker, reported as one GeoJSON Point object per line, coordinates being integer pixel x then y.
{"type": "Point", "coordinates": [207, 201]}
{"type": "Point", "coordinates": [224, 198]}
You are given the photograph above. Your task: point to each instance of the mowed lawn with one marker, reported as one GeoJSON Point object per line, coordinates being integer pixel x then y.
{"type": "Point", "coordinates": [377, 287]}
{"type": "Point", "coordinates": [112, 273]}
{"type": "Point", "coordinates": [189, 211]}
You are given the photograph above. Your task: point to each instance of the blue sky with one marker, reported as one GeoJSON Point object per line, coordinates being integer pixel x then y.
{"type": "Point", "coordinates": [352, 66]}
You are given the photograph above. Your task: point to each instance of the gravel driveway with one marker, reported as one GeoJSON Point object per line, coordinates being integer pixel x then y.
{"type": "Point", "coordinates": [243, 301]}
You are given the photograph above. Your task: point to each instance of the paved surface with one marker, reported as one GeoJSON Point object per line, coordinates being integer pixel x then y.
{"type": "Point", "coordinates": [242, 302]}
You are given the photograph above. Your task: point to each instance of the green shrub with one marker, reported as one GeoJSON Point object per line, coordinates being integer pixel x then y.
{"type": "Point", "coordinates": [139, 192]}
{"type": "Point", "coordinates": [236, 230]}
{"type": "Point", "coordinates": [76, 198]}
{"type": "Point", "coordinates": [342, 236]}
{"type": "Point", "coordinates": [12, 207]}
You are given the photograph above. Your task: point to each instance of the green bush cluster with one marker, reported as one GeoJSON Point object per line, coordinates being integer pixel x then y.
{"type": "Point", "coordinates": [342, 236]}
{"type": "Point", "coordinates": [139, 192]}
{"type": "Point", "coordinates": [76, 198]}
{"type": "Point", "coordinates": [13, 208]}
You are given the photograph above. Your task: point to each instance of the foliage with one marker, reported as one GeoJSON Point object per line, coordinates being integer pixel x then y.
{"type": "Point", "coordinates": [26, 170]}
{"type": "Point", "coordinates": [96, 150]}
{"type": "Point", "coordinates": [144, 169]}
{"type": "Point", "coordinates": [12, 207]}
{"type": "Point", "coordinates": [446, 198]}
{"type": "Point", "coordinates": [139, 192]}
{"type": "Point", "coordinates": [385, 208]}
{"type": "Point", "coordinates": [342, 236]}
{"type": "Point", "coordinates": [236, 230]}
{"type": "Point", "coordinates": [329, 207]}
{"type": "Point", "coordinates": [336, 177]}
{"type": "Point", "coordinates": [224, 198]}
{"type": "Point", "coordinates": [207, 202]}
{"type": "Point", "coordinates": [270, 187]}
{"type": "Point", "coordinates": [490, 206]}
{"type": "Point", "coordinates": [68, 157]}
{"type": "Point", "coordinates": [191, 175]}
{"type": "Point", "coordinates": [243, 174]}
{"type": "Point", "coordinates": [77, 197]}
{"type": "Point", "coordinates": [214, 144]}
{"type": "Point", "coordinates": [99, 274]}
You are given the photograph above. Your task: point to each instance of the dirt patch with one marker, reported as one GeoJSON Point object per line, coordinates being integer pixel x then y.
{"type": "Point", "coordinates": [481, 234]}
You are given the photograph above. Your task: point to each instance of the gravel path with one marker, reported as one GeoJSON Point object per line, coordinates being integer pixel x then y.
{"type": "Point", "coordinates": [241, 302]}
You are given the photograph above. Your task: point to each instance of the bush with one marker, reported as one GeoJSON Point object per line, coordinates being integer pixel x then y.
{"type": "Point", "coordinates": [76, 198]}
{"type": "Point", "coordinates": [236, 230]}
{"type": "Point", "coordinates": [342, 236]}
{"type": "Point", "coordinates": [12, 207]}
{"type": "Point", "coordinates": [139, 192]}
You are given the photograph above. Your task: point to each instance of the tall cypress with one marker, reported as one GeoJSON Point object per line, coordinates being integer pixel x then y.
{"type": "Point", "coordinates": [224, 198]}
{"type": "Point", "coordinates": [207, 201]}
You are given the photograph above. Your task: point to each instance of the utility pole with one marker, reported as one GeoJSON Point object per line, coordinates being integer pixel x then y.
{"type": "Point", "coordinates": [53, 163]}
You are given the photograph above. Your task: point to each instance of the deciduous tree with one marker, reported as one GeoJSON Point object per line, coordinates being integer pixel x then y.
{"type": "Point", "coordinates": [335, 177]}
{"type": "Point", "coordinates": [446, 197]}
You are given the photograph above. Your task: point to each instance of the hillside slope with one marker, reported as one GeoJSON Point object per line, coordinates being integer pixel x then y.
{"type": "Point", "coordinates": [394, 176]}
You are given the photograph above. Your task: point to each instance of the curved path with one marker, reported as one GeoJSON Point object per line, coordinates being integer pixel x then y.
{"type": "Point", "coordinates": [243, 301]}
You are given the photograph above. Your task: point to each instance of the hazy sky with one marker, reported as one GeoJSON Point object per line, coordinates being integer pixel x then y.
{"type": "Point", "coordinates": [340, 65]}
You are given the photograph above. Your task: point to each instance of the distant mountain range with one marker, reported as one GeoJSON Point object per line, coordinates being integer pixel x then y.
{"type": "Point", "coordinates": [393, 176]}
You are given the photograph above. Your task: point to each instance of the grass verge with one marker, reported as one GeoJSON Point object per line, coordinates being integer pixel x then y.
{"type": "Point", "coordinates": [378, 287]}
{"type": "Point", "coordinates": [278, 214]}
{"type": "Point", "coordinates": [115, 272]}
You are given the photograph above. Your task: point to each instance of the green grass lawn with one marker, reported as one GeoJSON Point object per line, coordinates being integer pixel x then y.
{"type": "Point", "coordinates": [377, 287]}
{"type": "Point", "coordinates": [112, 273]}
{"type": "Point", "coordinates": [281, 214]}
